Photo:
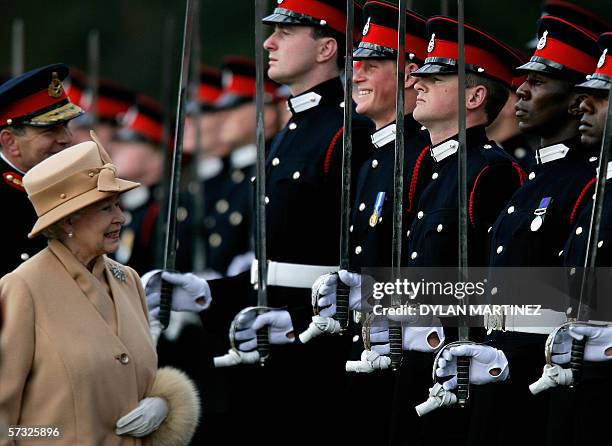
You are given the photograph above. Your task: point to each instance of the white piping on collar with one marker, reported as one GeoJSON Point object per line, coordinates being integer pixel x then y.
{"type": "Point", "coordinates": [551, 153]}
{"type": "Point", "coordinates": [11, 164]}
{"type": "Point", "coordinates": [305, 101]}
{"type": "Point", "coordinates": [209, 168]}
{"type": "Point", "coordinates": [444, 150]}
{"type": "Point", "coordinates": [244, 156]}
{"type": "Point", "coordinates": [384, 136]}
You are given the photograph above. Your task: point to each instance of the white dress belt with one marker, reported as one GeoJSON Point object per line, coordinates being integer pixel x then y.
{"type": "Point", "coordinates": [291, 275]}
{"type": "Point", "coordinates": [547, 322]}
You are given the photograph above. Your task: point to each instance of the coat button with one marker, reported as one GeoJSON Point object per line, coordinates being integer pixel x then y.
{"type": "Point", "coordinates": [579, 230]}
{"type": "Point", "coordinates": [10, 177]}
{"type": "Point", "coordinates": [237, 176]}
{"type": "Point", "coordinates": [275, 162]}
{"type": "Point", "coordinates": [420, 215]}
{"type": "Point", "coordinates": [600, 244]}
{"type": "Point", "coordinates": [560, 253]}
{"type": "Point", "coordinates": [181, 214]}
{"type": "Point", "coordinates": [593, 159]}
{"type": "Point", "coordinates": [439, 228]}
{"type": "Point", "coordinates": [413, 255]}
{"type": "Point", "coordinates": [25, 256]}
{"type": "Point", "coordinates": [572, 271]}
{"type": "Point", "coordinates": [489, 230]}
{"type": "Point", "coordinates": [494, 291]}
{"type": "Point", "coordinates": [351, 228]}
{"type": "Point", "coordinates": [123, 358]}
{"type": "Point", "coordinates": [215, 240]}
{"type": "Point", "coordinates": [408, 233]}
{"type": "Point", "coordinates": [434, 176]}
{"type": "Point", "coordinates": [358, 250]}
{"type": "Point", "coordinates": [486, 146]}
{"type": "Point", "coordinates": [362, 206]}
{"type": "Point", "coordinates": [342, 104]}
{"type": "Point", "coordinates": [235, 218]}
{"type": "Point", "coordinates": [266, 200]}
{"type": "Point", "coordinates": [222, 206]}
{"type": "Point", "coordinates": [356, 338]}
{"type": "Point", "coordinates": [62, 196]}
{"type": "Point", "coordinates": [296, 175]}
{"type": "Point", "coordinates": [253, 178]}
{"type": "Point", "coordinates": [531, 175]}
{"type": "Point", "coordinates": [500, 248]}
{"type": "Point", "coordinates": [292, 126]}
{"type": "Point", "coordinates": [374, 164]}
{"type": "Point", "coordinates": [510, 209]}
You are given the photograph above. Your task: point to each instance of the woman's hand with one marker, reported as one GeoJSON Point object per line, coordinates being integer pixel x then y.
{"type": "Point", "coordinates": [143, 420]}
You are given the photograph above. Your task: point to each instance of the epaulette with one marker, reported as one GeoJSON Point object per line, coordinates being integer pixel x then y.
{"type": "Point", "coordinates": [14, 180]}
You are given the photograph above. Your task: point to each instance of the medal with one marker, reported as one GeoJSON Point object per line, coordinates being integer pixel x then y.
{"type": "Point", "coordinates": [540, 213]}
{"type": "Point", "coordinates": [380, 198]}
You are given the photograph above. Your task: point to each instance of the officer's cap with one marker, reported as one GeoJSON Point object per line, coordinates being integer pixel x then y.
{"type": "Point", "coordinates": [112, 102]}
{"type": "Point", "coordinates": [564, 49]}
{"type": "Point", "coordinates": [484, 55]}
{"type": "Point", "coordinates": [601, 80]}
{"type": "Point", "coordinates": [143, 121]}
{"type": "Point", "coordinates": [239, 83]}
{"type": "Point", "coordinates": [37, 98]}
{"type": "Point", "coordinates": [316, 13]}
{"type": "Point", "coordinates": [379, 35]}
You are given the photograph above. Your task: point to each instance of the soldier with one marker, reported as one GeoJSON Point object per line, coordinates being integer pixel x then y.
{"type": "Point", "coordinates": [492, 175]}
{"type": "Point", "coordinates": [580, 415]}
{"type": "Point", "coordinates": [532, 228]}
{"type": "Point", "coordinates": [34, 114]}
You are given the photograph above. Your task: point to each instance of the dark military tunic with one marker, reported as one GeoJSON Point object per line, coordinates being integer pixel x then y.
{"type": "Point", "coordinates": [20, 218]}
{"type": "Point", "coordinates": [523, 235]}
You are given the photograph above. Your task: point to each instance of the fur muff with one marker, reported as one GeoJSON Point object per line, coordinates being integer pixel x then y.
{"type": "Point", "coordinates": [183, 401]}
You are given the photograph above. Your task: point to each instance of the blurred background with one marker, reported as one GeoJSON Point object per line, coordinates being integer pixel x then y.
{"type": "Point", "coordinates": [134, 33]}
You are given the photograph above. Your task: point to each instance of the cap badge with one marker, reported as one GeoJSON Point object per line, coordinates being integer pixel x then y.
{"type": "Point", "coordinates": [602, 59]}
{"type": "Point", "coordinates": [55, 88]}
{"type": "Point", "coordinates": [542, 41]}
{"type": "Point", "coordinates": [432, 43]}
{"type": "Point", "coordinates": [366, 28]}
{"type": "Point", "coordinates": [279, 1]}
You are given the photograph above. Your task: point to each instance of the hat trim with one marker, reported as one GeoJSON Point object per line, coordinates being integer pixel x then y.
{"type": "Point", "coordinates": [316, 12]}
{"type": "Point", "coordinates": [54, 116]}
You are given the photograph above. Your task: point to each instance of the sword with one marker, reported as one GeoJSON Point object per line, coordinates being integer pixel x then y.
{"type": "Point", "coordinates": [587, 285]}
{"type": "Point", "coordinates": [17, 48]}
{"type": "Point", "coordinates": [175, 177]}
{"type": "Point", "coordinates": [263, 345]}
{"type": "Point", "coordinates": [463, 363]}
{"type": "Point", "coordinates": [395, 328]}
{"type": "Point", "coordinates": [342, 290]}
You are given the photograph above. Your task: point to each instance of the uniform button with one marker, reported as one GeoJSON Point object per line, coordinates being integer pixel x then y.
{"type": "Point", "coordinates": [374, 164]}
{"type": "Point", "coordinates": [296, 175]}
{"type": "Point", "coordinates": [413, 255]}
{"type": "Point", "coordinates": [292, 126]}
{"type": "Point", "coordinates": [600, 244]}
{"type": "Point", "coordinates": [361, 206]}
{"type": "Point", "coordinates": [500, 248]}
{"type": "Point", "coordinates": [356, 338]}
{"type": "Point", "coordinates": [253, 179]}
{"type": "Point", "coordinates": [237, 176]}
{"type": "Point", "coordinates": [123, 358]}
{"type": "Point", "coordinates": [25, 256]}
{"type": "Point", "coordinates": [510, 209]}
{"type": "Point", "coordinates": [266, 200]}
{"type": "Point", "coordinates": [181, 214]}
{"type": "Point", "coordinates": [420, 215]}
{"type": "Point", "coordinates": [439, 228]}
{"type": "Point", "coordinates": [560, 253]}
{"type": "Point", "coordinates": [579, 230]}
{"type": "Point", "coordinates": [222, 206]}
{"type": "Point", "coordinates": [494, 291]}
{"type": "Point", "coordinates": [572, 271]}
{"type": "Point", "coordinates": [408, 233]}
{"type": "Point", "coordinates": [351, 228]}
{"type": "Point", "coordinates": [423, 127]}
{"type": "Point", "coordinates": [275, 162]}
{"type": "Point", "coordinates": [358, 250]}
{"type": "Point", "coordinates": [434, 175]}
{"type": "Point", "coordinates": [10, 177]}
{"type": "Point", "coordinates": [531, 175]}
{"type": "Point", "coordinates": [487, 146]}
{"type": "Point", "coordinates": [235, 218]}
{"type": "Point", "coordinates": [215, 240]}
{"type": "Point", "coordinates": [593, 159]}
{"type": "Point", "coordinates": [342, 104]}
{"type": "Point", "coordinates": [489, 230]}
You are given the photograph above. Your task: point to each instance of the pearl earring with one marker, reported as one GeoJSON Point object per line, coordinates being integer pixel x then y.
{"type": "Point", "coordinates": [70, 235]}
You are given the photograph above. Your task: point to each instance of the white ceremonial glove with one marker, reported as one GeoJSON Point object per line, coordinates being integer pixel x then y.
{"type": "Point", "coordinates": [561, 348]}
{"type": "Point", "coordinates": [318, 326]}
{"type": "Point", "coordinates": [143, 420]}
{"type": "Point", "coordinates": [280, 328]}
{"type": "Point", "coordinates": [324, 292]}
{"type": "Point", "coordinates": [370, 362]}
{"type": "Point", "coordinates": [240, 263]}
{"type": "Point", "coordinates": [190, 293]}
{"type": "Point", "coordinates": [483, 360]}
{"type": "Point", "coordinates": [599, 341]}
{"type": "Point", "coordinates": [413, 338]}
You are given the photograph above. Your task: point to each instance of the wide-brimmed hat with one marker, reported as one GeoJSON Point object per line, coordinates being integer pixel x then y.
{"type": "Point", "coordinates": [72, 180]}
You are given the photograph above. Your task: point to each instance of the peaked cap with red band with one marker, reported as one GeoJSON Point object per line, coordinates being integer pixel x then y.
{"type": "Point", "coordinates": [37, 98]}
{"type": "Point", "coordinates": [601, 80]}
{"type": "Point", "coordinates": [239, 83]}
{"type": "Point", "coordinates": [143, 121]}
{"type": "Point", "coordinates": [563, 49]}
{"type": "Point", "coordinates": [75, 85]}
{"type": "Point", "coordinates": [379, 35]}
{"type": "Point", "coordinates": [484, 55]}
{"type": "Point", "coordinates": [211, 86]}
{"type": "Point", "coordinates": [316, 13]}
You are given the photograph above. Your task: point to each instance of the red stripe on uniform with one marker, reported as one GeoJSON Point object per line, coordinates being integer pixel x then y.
{"type": "Point", "coordinates": [415, 179]}
{"type": "Point", "coordinates": [583, 193]}
{"type": "Point", "coordinates": [330, 151]}
{"type": "Point", "coordinates": [472, 194]}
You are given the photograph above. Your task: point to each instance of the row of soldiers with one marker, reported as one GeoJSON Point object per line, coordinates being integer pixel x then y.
{"type": "Point", "coordinates": [521, 213]}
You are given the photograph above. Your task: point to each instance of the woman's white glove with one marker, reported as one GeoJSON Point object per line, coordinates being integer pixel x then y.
{"type": "Point", "coordinates": [278, 322]}
{"type": "Point", "coordinates": [487, 364]}
{"type": "Point", "coordinates": [324, 291]}
{"type": "Point", "coordinates": [190, 292]}
{"type": "Point", "coordinates": [143, 420]}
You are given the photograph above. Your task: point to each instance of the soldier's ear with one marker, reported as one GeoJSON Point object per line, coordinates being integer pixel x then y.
{"type": "Point", "coordinates": [475, 97]}
{"type": "Point", "coordinates": [8, 142]}
{"type": "Point", "coordinates": [574, 106]}
{"type": "Point", "coordinates": [328, 48]}
{"type": "Point", "coordinates": [409, 79]}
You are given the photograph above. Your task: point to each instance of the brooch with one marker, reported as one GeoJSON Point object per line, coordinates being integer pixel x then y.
{"type": "Point", "coordinates": [118, 273]}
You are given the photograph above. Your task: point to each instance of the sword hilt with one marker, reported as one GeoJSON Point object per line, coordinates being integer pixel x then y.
{"type": "Point", "coordinates": [165, 303]}
{"type": "Point", "coordinates": [342, 304]}
{"type": "Point", "coordinates": [577, 360]}
{"type": "Point", "coordinates": [395, 344]}
{"type": "Point", "coordinates": [463, 380]}
{"type": "Point", "coordinates": [263, 344]}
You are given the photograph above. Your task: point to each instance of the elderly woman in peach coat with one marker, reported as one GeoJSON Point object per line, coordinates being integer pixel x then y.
{"type": "Point", "coordinates": [75, 344]}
